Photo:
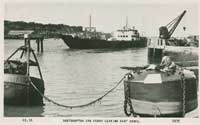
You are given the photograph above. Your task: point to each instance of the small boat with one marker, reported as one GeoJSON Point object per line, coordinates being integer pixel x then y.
{"type": "Point", "coordinates": [127, 37]}
{"type": "Point", "coordinates": [150, 93]}
{"type": "Point", "coordinates": [18, 88]}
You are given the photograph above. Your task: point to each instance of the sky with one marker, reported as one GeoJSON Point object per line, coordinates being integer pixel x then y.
{"type": "Point", "coordinates": [107, 17]}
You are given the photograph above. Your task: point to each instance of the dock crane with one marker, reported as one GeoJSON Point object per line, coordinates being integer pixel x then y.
{"type": "Point", "coordinates": [167, 31]}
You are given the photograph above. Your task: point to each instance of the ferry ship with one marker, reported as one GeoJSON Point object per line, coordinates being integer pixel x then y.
{"type": "Point", "coordinates": [127, 37]}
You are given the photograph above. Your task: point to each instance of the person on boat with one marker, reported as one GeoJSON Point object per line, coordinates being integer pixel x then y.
{"type": "Point", "coordinates": [167, 64]}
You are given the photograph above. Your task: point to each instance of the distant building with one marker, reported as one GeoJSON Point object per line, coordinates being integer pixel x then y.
{"type": "Point", "coordinates": [20, 32]}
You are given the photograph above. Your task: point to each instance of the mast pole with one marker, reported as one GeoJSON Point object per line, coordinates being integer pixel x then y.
{"type": "Point", "coordinates": [126, 22]}
{"type": "Point", "coordinates": [90, 23]}
{"type": "Point", "coordinates": [28, 54]}
{"type": "Point", "coordinates": [27, 47]}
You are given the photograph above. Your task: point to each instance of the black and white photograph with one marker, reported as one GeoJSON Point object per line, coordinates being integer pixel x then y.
{"type": "Point", "coordinates": [101, 59]}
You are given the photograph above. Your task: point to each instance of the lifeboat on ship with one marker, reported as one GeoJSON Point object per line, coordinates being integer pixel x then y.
{"type": "Point", "coordinates": [153, 92]}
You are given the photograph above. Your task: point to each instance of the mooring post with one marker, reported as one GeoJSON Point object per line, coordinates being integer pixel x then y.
{"type": "Point", "coordinates": [38, 45]}
{"type": "Point", "coordinates": [41, 44]}
{"type": "Point", "coordinates": [24, 41]}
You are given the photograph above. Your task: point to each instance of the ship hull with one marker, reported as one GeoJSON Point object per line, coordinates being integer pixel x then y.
{"type": "Point", "coordinates": [18, 91]}
{"type": "Point", "coordinates": [78, 43]}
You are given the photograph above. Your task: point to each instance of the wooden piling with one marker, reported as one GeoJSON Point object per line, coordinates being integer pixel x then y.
{"type": "Point", "coordinates": [25, 41]}
{"type": "Point", "coordinates": [38, 45]}
{"type": "Point", "coordinates": [39, 42]}
{"type": "Point", "coordinates": [41, 45]}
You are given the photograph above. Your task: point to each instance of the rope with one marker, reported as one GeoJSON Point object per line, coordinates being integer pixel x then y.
{"type": "Point", "coordinates": [76, 106]}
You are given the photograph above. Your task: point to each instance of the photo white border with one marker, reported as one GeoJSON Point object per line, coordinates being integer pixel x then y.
{"type": "Point", "coordinates": [59, 120]}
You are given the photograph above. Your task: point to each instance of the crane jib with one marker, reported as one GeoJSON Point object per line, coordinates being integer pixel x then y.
{"type": "Point", "coordinates": [167, 31]}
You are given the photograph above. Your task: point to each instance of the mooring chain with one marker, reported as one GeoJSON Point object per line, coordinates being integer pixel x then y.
{"type": "Point", "coordinates": [183, 92]}
{"type": "Point", "coordinates": [77, 106]}
{"type": "Point", "coordinates": [127, 101]}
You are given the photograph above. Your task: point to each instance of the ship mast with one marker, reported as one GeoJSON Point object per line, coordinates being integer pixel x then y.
{"type": "Point", "coordinates": [90, 23]}
{"type": "Point", "coordinates": [90, 28]}
{"type": "Point", "coordinates": [126, 22]}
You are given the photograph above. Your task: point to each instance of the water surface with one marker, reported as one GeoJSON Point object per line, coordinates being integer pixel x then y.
{"type": "Point", "coordinates": [74, 77]}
